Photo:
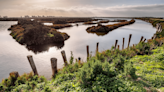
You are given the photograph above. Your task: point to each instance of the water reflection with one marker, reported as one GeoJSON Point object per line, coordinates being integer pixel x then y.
{"type": "Point", "coordinates": [43, 48]}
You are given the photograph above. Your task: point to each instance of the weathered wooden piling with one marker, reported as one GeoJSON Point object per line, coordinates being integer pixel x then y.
{"type": "Point", "coordinates": [97, 47]}
{"type": "Point", "coordinates": [141, 38]}
{"type": "Point", "coordinates": [79, 60]}
{"type": "Point", "coordinates": [118, 47]}
{"type": "Point", "coordinates": [123, 43]}
{"type": "Point", "coordinates": [115, 44]}
{"type": "Point", "coordinates": [31, 61]}
{"type": "Point", "coordinates": [152, 38]}
{"type": "Point", "coordinates": [87, 51]}
{"type": "Point", "coordinates": [144, 40]}
{"type": "Point", "coordinates": [64, 57]}
{"type": "Point", "coordinates": [54, 66]}
{"type": "Point", "coordinates": [129, 39]}
{"type": "Point", "coordinates": [14, 75]}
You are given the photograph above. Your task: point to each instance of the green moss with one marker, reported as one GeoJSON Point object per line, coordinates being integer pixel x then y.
{"type": "Point", "coordinates": [151, 68]}
{"type": "Point", "coordinates": [50, 35]}
{"type": "Point", "coordinates": [13, 35]}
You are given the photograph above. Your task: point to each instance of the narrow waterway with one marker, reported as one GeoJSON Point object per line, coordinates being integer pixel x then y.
{"type": "Point", "coordinates": [13, 56]}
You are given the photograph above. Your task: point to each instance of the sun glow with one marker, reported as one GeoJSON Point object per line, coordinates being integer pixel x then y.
{"type": "Point", "coordinates": [52, 49]}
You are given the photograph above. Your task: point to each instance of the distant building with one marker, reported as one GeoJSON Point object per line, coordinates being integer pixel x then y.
{"type": "Point", "coordinates": [34, 16]}
{"type": "Point", "coordinates": [27, 16]}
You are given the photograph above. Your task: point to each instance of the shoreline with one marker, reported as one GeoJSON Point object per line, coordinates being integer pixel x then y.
{"type": "Point", "coordinates": [107, 28]}
{"type": "Point", "coordinates": [100, 58]}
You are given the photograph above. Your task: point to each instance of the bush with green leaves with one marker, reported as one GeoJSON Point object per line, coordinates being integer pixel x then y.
{"type": "Point", "coordinates": [29, 79]}
{"type": "Point", "coordinates": [102, 76]}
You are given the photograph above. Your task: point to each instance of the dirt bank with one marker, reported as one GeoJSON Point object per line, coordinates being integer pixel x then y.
{"type": "Point", "coordinates": [34, 33]}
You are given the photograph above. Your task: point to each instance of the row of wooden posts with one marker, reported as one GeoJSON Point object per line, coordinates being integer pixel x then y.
{"type": "Point", "coordinates": [53, 65]}
{"type": "Point", "coordinates": [54, 60]}
{"type": "Point", "coordinates": [118, 46]}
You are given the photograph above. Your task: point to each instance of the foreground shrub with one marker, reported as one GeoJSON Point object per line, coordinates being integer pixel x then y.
{"type": "Point", "coordinates": [29, 79]}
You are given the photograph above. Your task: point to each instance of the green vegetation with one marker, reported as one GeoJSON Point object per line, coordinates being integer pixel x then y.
{"type": "Point", "coordinates": [50, 35]}
{"type": "Point", "coordinates": [25, 82]}
{"type": "Point", "coordinates": [135, 69]}
{"type": "Point", "coordinates": [60, 26]}
{"type": "Point", "coordinates": [150, 69]}
{"type": "Point", "coordinates": [104, 21]}
{"type": "Point", "coordinates": [110, 70]}
{"type": "Point", "coordinates": [63, 20]}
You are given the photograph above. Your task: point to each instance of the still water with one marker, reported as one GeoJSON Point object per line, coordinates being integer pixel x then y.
{"type": "Point", "coordinates": [13, 56]}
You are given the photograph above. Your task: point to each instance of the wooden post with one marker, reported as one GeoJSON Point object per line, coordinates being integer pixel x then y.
{"type": "Point", "coordinates": [64, 57]}
{"type": "Point", "coordinates": [133, 45]}
{"type": "Point", "coordinates": [54, 66]}
{"type": "Point", "coordinates": [144, 40]}
{"type": "Point", "coordinates": [123, 43]}
{"type": "Point", "coordinates": [118, 47]}
{"type": "Point", "coordinates": [14, 75]}
{"type": "Point", "coordinates": [115, 44]}
{"type": "Point", "coordinates": [129, 39]}
{"type": "Point", "coordinates": [141, 38]}
{"type": "Point", "coordinates": [97, 47]}
{"type": "Point", "coordinates": [87, 51]}
{"type": "Point", "coordinates": [79, 60]}
{"type": "Point", "coordinates": [152, 38]}
{"type": "Point", "coordinates": [31, 61]}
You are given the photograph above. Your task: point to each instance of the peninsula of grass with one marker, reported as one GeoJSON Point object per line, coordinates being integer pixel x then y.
{"type": "Point", "coordinates": [118, 21]}
{"type": "Point", "coordinates": [104, 21]}
{"type": "Point", "coordinates": [29, 32]}
{"type": "Point", "coordinates": [60, 26]}
{"type": "Point", "coordinates": [105, 29]}
{"type": "Point", "coordinates": [63, 20]}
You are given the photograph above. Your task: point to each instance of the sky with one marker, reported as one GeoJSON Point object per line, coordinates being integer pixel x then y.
{"type": "Point", "coordinates": [83, 8]}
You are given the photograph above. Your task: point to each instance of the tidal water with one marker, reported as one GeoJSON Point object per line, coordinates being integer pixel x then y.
{"type": "Point", "coordinates": [13, 56]}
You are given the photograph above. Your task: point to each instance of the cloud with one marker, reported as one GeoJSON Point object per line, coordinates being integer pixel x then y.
{"type": "Point", "coordinates": [154, 10]}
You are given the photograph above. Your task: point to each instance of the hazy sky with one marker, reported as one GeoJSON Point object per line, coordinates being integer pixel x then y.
{"type": "Point", "coordinates": [83, 8]}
